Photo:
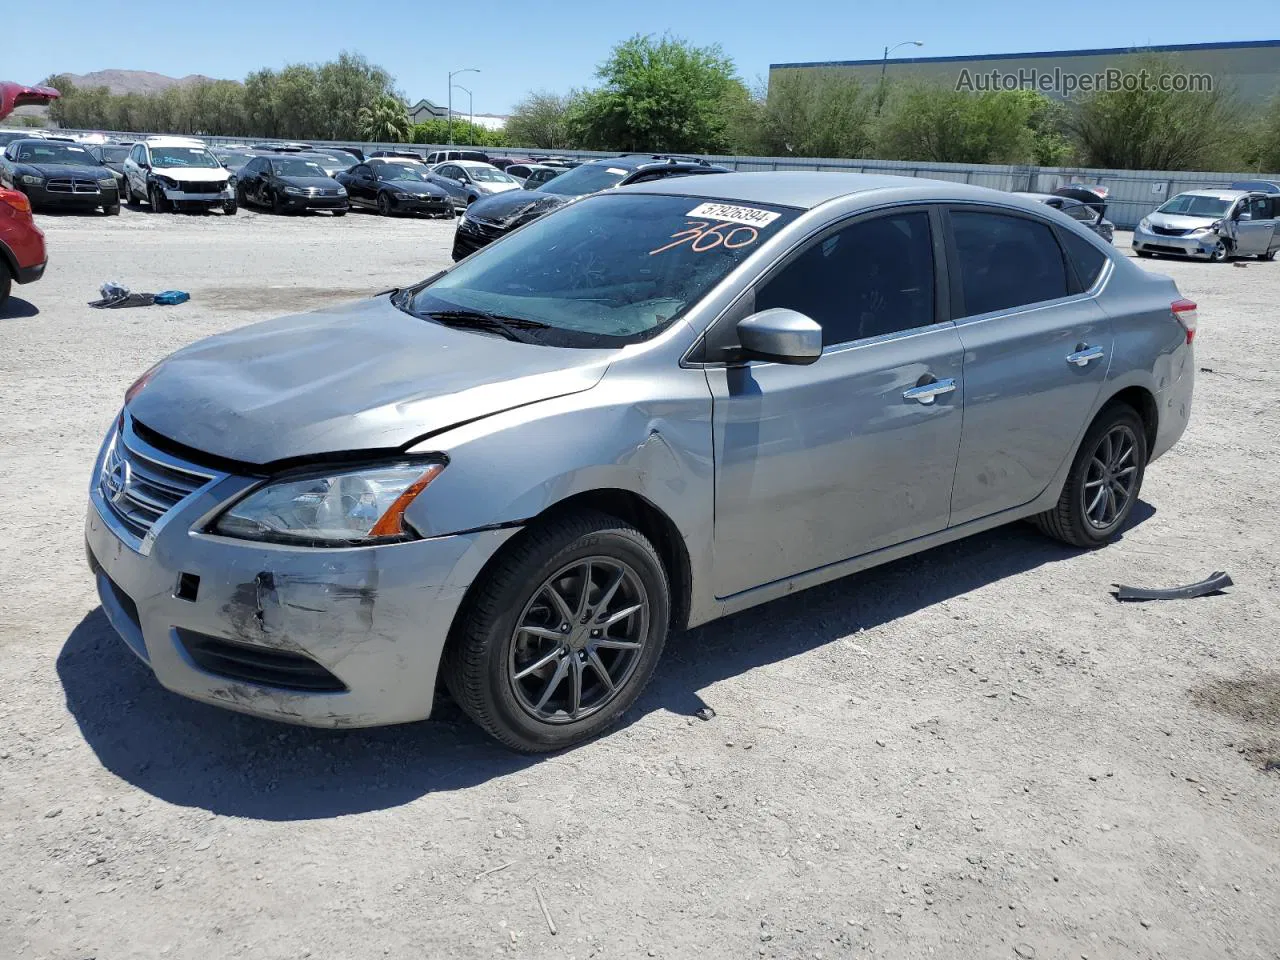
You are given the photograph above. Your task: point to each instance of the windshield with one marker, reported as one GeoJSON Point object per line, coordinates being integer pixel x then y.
{"type": "Point", "coordinates": [489, 175]}
{"type": "Point", "coordinates": [1196, 205]}
{"type": "Point", "coordinates": [297, 168]}
{"type": "Point", "coordinates": [400, 171]}
{"type": "Point", "coordinates": [47, 152]}
{"type": "Point", "coordinates": [588, 178]}
{"type": "Point", "coordinates": [608, 271]}
{"type": "Point", "coordinates": [183, 157]}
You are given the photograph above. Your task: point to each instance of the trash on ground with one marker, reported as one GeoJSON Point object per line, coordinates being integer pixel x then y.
{"type": "Point", "coordinates": [704, 713]}
{"type": "Point", "coordinates": [116, 295]}
{"type": "Point", "coordinates": [1214, 583]}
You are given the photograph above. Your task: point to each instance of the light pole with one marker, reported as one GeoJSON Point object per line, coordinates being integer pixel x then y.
{"type": "Point", "coordinates": [884, 65]}
{"type": "Point", "coordinates": [452, 74]}
{"type": "Point", "coordinates": [471, 110]}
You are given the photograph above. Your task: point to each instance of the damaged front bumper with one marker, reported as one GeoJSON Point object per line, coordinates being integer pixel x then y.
{"type": "Point", "coordinates": [1199, 245]}
{"type": "Point", "coordinates": [322, 637]}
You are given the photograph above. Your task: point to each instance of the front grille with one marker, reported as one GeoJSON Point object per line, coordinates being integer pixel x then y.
{"type": "Point", "coordinates": [1169, 232]}
{"type": "Point", "coordinates": [192, 186]}
{"type": "Point", "coordinates": [265, 666]}
{"type": "Point", "coordinates": [71, 185]}
{"type": "Point", "coordinates": [140, 489]}
{"type": "Point", "coordinates": [482, 228]}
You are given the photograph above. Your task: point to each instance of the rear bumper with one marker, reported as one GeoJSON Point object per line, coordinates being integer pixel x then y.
{"type": "Point", "coordinates": [30, 274]}
{"type": "Point", "coordinates": [1173, 402]}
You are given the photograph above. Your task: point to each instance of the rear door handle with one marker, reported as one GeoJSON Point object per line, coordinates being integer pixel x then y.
{"type": "Point", "coordinates": [1085, 355]}
{"type": "Point", "coordinates": [926, 393]}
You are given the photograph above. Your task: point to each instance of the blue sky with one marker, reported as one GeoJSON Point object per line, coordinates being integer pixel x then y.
{"type": "Point", "coordinates": [519, 49]}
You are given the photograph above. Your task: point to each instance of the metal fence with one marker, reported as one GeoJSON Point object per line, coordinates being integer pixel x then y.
{"type": "Point", "coordinates": [1132, 193]}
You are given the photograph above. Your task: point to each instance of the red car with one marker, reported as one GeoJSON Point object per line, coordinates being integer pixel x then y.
{"type": "Point", "coordinates": [22, 255]}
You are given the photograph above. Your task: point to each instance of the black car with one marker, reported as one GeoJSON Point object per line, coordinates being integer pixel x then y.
{"type": "Point", "coordinates": [112, 155]}
{"type": "Point", "coordinates": [1086, 212]}
{"type": "Point", "coordinates": [332, 162]}
{"type": "Point", "coordinates": [488, 219]}
{"type": "Point", "coordinates": [289, 183]}
{"type": "Point", "coordinates": [1269, 187]}
{"type": "Point", "coordinates": [395, 186]}
{"type": "Point", "coordinates": [55, 174]}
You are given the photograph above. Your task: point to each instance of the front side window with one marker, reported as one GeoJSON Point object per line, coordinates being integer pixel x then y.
{"type": "Point", "coordinates": [611, 270]}
{"type": "Point", "coordinates": [1006, 262]}
{"type": "Point", "coordinates": [1259, 208]}
{"type": "Point", "coordinates": [868, 279]}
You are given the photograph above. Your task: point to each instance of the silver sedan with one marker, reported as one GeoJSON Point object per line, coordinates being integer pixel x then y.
{"type": "Point", "coordinates": [653, 408]}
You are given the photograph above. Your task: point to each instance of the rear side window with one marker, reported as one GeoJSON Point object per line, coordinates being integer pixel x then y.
{"type": "Point", "coordinates": [868, 279]}
{"type": "Point", "coordinates": [1006, 262]}
{"type": "Point", "coordinates": [1086, 259]}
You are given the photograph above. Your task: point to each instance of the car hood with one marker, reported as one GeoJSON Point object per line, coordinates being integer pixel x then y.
{"type": "Point", "coordinates": [310, 183]}
{"type": "Point", "coordinates": [495, 188]}
{"type": "Point", "coordinates": [192, 174]}
{"type": "Point", "coordinates": [1179, 221]}
{"type": "Point", "coordinates": [416, 187]}
{"type": "Point", "coordinates": [516, 205]}
{"type": "Point", "coordinates": [68, 170]}
{"type": "Point", "coordinates": [363, 376]}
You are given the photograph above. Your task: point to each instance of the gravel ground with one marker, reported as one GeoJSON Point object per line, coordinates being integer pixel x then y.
{"type": "Point", "coordinates": [974, 753]}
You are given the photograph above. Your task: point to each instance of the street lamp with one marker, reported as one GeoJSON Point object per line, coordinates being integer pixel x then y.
{"type": "Point", "coordinates": [471, 109]}
{"type": "Point", "coordinates": [453, 74]}
{"type": "Point", "coordinates": [884, 65]}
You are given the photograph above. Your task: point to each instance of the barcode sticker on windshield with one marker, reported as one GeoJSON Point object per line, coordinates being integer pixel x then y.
{"type": "Point", "coordinates": [751, 216]}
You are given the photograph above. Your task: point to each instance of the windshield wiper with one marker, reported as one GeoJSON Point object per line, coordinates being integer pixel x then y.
{"type": "Point", "coordinates": [510, 327]}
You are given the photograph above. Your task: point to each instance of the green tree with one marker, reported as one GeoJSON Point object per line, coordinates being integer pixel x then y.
{"type": "Point", "coordinates": [1155, 130]}
{"type": "Point", "coordinates": [385, 121]}
{"type": "Point", "coordinates": [541, 120]}
{"type": "Point", "coordinates": [1263, 151]}
{"type": "Point", "coordinates": [815, 113]}
{"type": "Point", "coordinates": [662, 95]}
{"type": "Point", "coordinates": [930, 122]}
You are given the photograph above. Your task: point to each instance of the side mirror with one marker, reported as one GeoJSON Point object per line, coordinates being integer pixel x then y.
{"type": "Point", "coordinates": [780, 335]}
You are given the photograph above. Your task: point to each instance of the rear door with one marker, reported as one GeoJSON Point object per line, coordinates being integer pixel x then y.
{"type": "Point", "coordinates": [1036, 351]}
{"type": "Point", "coordinates": [816, 464]}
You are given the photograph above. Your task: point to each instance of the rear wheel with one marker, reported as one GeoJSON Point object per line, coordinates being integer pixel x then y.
{"type": "Point", "coordinates": [562, 634]}
{"type": "Point", "coordinates": [6, 283]}
{"type": "Point", "coordinates": [1104, 481]}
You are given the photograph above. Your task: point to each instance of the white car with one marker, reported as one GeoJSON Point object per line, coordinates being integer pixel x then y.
{"type": "Point", "coordinates": [467, 181]}
{"type": "Point", "coordinates": [175, 173]}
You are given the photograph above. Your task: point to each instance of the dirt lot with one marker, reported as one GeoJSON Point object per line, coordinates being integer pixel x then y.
{"type": "Point", "coordinates": [974, 753]}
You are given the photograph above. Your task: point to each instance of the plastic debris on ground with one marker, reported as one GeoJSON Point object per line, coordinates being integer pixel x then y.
{"type": "Point", "coordinates": [115, 295]}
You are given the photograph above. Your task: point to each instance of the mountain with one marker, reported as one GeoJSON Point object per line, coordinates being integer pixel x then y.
{"type": "Point", "coordinates": [133, 81]}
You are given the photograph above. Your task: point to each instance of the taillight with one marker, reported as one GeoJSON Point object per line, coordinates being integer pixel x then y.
{"type": "Point", "coordinates": [1184, 311]}
{"type": "Point", "coordinates": [16, 199]}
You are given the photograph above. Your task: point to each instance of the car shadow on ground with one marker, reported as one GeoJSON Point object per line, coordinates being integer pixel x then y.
{"type": "Point", "coordinates": [15, 308]}
{"type": "Point", "coordinates": [191, 754]}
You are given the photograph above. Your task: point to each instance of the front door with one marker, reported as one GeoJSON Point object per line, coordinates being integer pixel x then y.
{"type": "Point", "coordinates": [816, 464]}
{"type": "Point", "coordinates": [1036, 352]}
{"type": "Point", "coordinates": [1253, 225]}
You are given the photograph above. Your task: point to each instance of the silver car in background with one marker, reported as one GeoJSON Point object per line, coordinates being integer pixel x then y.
{"type": "Point", "coordinates": [518, 475]}
{"type": "Point", "coordinates": [1213, 225]}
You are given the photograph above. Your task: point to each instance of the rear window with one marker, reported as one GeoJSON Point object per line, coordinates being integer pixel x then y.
{"type": "Point", "coordinates": [1006, 262]}
{"type": "Point", "coordinates": [1087, 259]}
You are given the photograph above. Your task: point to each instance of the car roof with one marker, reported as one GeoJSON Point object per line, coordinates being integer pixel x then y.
{"type": "Point", "coordinates": [809, 189]}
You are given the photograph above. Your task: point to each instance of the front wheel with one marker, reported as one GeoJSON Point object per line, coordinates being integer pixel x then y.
{"type": "Point", "coordinates": [277, 203]}
{"type": "Point", "coordinates": [562, 634]}
{"type": "Point", "coordinates": [1104, 482]}
{"type": "Point", "coordinates": [230, 208]}
{"type": "Point", "coordinates": [339, 213]}
{"type": "Point", "coordinates": [384, 205]}
{"type": "Point", "coordinates": [159, 202]}
{"type": "Point", "coordinates": [1219, 253]}
{"type": "Point", "coordinates": [112, 209]}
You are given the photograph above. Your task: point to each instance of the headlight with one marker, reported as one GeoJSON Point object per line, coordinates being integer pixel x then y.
{"type": "Point", "coordinates": [231, 180]}
{"type": "Point", "coordinates": [28, 178]}
{"type": "Point", "coordinates": [338, 508]}
{"type": "Point", "coordinates": [1144, 224]}
{"type": "Point", "coordinates": [342, 191]}
{"type": "Point", "coordinates": [167, 181]}
{"type": "Point", "coordinates": [1196, 230]}
{"type": "Point", "coordinates": [464, 221]}
{"type": "Point", "coordinates": [295, 191]}
{"type": "Point", "coordinates": [106, 181]}
{"type": "Point", "coordinates": [400, 195]}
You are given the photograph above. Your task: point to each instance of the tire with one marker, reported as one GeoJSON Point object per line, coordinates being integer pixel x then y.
{"type": "Point", "coordinates": [1269, 255]}
{"type": "Point", "coordinates": [6, 283]}
{"type": "Point", "coordinates": [384, 205]}
{"type": "Point", "coordinates": [1220, 253]}
{"type": "Point", "coordinates": [242, 198]}
{"type": "Point", "coordinates": [1071, 521]}
{"type": "Point", "coordinates": [159, 202]}
{"type": "Point", "coordinates": [230, 208]}
{"type": "Point", "coordinates": [277, 205]}
{"type": "Point", "coordinates": [129, 198]}
{"type": "Point", "coordinates": [112, 209]}
{"type": "Point", "coordinates": [339, 213]}
{"type": "Point", "coordinates": [486, 653]}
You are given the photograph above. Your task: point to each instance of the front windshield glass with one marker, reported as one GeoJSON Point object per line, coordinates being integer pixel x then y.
{"type": "Point", "coordinates": [49, 152]}
{"type": "Point", "coordinates": [489, 175]}
{"type": "Point", "coordinates": [608, 271]}
{"type": "Point", "coordinates": [1196, 205]}
{"type": "Point", "coordinates": [197, 157]}
{"type": "Point", "coordinates": [401, 171]}
{"type": "Point", "coordinates": [296, 167]}
{"type": "Point", "coordinates": [588, 178]}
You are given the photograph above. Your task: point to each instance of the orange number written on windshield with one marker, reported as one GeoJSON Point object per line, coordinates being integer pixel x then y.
{"type": "Point", "coordinates": [702, 236]}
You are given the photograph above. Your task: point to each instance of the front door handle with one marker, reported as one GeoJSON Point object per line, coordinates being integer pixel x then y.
{"type": "Point", "coordinates": [926, 393]}
{"type": "Point", "coordinates": [1085, 355]}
